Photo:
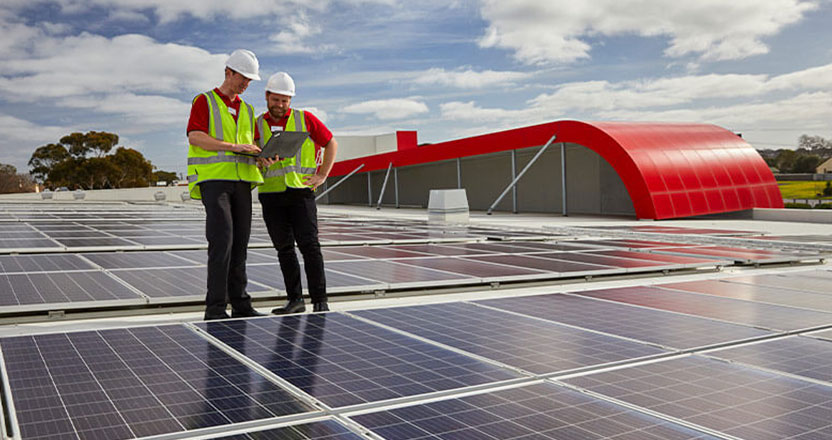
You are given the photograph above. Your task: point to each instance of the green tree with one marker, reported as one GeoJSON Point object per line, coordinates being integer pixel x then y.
{"type": "Point", "coordinates": [82, 144]}
{"type": "Point", "coordinates": [165, 176]}
{"type": "Point", "coordinates": [785, 160]}
{"type": "Point", "coordinates": [133, 170]}
{"type": "Point", "coordinates": [806, 163]}
{"type": "Point", "coordinates": [813, 143]}
{"type": "Point", "coordinates": [45, 158]}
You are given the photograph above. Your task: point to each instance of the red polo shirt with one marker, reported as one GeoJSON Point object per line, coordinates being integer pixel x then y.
{"type": "Point", "coordinates": [200, 113]}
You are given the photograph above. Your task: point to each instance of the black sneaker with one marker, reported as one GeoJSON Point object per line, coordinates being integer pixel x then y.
{"type": "Point", "coordinates": [293, 306]}
{"type": "Point", "coordinates": [320, 307]}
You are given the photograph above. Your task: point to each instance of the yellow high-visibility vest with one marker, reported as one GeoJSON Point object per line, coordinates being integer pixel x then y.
{"type": "Point", "coordinates": [289, 172]}
{"type": "Point", "coordinates": [204, 165]}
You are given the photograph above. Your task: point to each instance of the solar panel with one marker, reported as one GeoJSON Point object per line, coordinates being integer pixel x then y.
{"type": "Point", "coordinates": [738, 255]}
{"type": "Point", "coordinates": [662, 258]}
{"type": "Point", "coordinates": [816, 281]}
{"type": "Point", "coordinates": [343, 361]}
{"type": "Point", "coordinates": [166, 283]}
{"type": "Point", "coordinates": [269, 275]}
{"type": "Point", "coordinates": [754, 292]}
{"type": "Point", "coordinates": [739, 401]}
{"type": "Point", "coordinates": [96, 242]}
{"type": "Point", "coordinates": [726, 309]}
{"type": "Point", "coordinates": [604, 260]}
{"type": "Point", "coordinates": [654, 326]}
{"type": "Point", "coordinates": [168, 241]}
{"type": "Point", "coordinates": [468, 267]}
{"type": "Point", "coordinates": [796, 355]}
{"type": "Point", "coordinates": [536, 412]}
{"type": "Point", "coordinates": [41, 263]}
{"type": "Point", "coordinates": [323, 430]}
{"type": "Point", "coordinates": [396, 274]}
{"type": "Point", "coordinates": [60, 288]}
{"type": "Point", "coordinates": [440, 249]}
{"type": "Point", "coordinates": [376, 252]}
{"type": "Point", "coordinates": [145, 259]}
{"type": "Point", "coordinates": [13, 244]}
{"type": "Point", "coordinates": [527, 343]}
{"type": "Point", "coordinates": [131, 383]}
{"type": "Point", "coordinates": [548, 264]}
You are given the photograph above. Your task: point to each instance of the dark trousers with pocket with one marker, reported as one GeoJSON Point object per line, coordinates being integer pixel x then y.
{"type": "Point", "coordinates": [291, 217]}
{"type": "Point", "coordinates": [227, 228]}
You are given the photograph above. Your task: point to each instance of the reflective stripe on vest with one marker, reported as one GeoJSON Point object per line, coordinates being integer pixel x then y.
{"type": "Point", "coordinates": [289, 171]}
{"type": "Point", "coordinates": [204, 165]}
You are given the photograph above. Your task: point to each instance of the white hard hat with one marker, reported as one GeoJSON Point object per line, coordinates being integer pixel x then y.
{"type": "Point", "coordinates": [245, 63]}
{"type": "Point", "coordinates": [281, 83]}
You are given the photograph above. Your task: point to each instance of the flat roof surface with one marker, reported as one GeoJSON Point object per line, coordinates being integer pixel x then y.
{"type": "Point", "coordinates": [509, 326]}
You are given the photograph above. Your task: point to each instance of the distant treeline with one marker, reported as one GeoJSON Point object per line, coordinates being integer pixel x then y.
{"type": "Point", "coordinates": [811, 151]}
{"type": "Point", "coordinates": [85, 161]}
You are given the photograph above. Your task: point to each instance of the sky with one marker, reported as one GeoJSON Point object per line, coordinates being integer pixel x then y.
{"type": "Point", "coordinates": [447, 69]}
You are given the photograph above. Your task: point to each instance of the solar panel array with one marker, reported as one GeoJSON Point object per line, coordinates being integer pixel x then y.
{"type": "Point", "coordinates": [611, 363]}
{"type": "Point", "coordinates": [738, 357]}
{"type": "Point", "coordinates": [70, 257]}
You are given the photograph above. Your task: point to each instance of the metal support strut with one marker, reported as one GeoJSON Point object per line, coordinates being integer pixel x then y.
{"type": "Point", "coordinates": [519, 176]}
{"type": "Point", "coordinates": [339, 182]}
{"type": "Point", "coordinates": [384, 185]}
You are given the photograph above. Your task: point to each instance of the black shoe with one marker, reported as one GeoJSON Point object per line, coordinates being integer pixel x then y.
{"type": "Point", "coordinates": [246, 313]}
{"type": "Point", "coordinates": [293, 306]}
{"type": "Point", "coordinates": [320, 307]}
{"type": "Point", "coordinates": [215, 316]}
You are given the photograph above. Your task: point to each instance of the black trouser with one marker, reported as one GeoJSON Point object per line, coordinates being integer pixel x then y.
{"type": "Point", "coordinates": [292, 216]}
{"type": "Point", "coordinates": [227, 228]}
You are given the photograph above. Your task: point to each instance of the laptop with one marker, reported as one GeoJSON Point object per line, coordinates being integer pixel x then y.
{"type": "Point", "coordinates": [283, 144]}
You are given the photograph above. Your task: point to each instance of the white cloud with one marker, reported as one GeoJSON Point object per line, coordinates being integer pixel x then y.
{"type": "Point", "coordinates": [293, 34]}
{"type": "Point", "coordinates": [21, 137]}
{"type": "Point", "coordinates": [386, 109]}
{"type": "Point", "coordinates": [469, 111]}
{"type": "Point", "coordinates": [86, 63]}
{"type": "Point", "coordinates": [816, 78]}
{"type": "Point", "coordinates": [555, 31]}
{"type": "Point", "coordinates": [469, 79]}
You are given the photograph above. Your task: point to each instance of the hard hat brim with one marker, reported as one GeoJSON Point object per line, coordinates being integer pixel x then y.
{"type": "Point", "coordinates": [251, 76]}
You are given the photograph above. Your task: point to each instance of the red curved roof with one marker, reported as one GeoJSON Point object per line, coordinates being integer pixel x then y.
{"type": "Point", "coordinates": [670, 170]}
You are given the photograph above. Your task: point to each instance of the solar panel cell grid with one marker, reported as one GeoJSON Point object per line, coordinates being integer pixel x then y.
{"type": "Point", "coordinates": [797, 355]}
{"type": "Point", "coordinates": [536, 412]}
{"type": "Point", "coordinates": [755, 292]}
{"type": "Point", "coordinates": [41, 263]}
{"type": "Point", "coordinates": [124, 384]}
{"type": "Point", "coordinates": [739, 401]}
{"type": "Point", "coordinates": [45, 288]}
{"type": "Point", "coordinates": [726, 309]}
{"type": "Point", "coordinates": [654, 326]}
{"type": "Point", "coordinates": [342, 361]}
{"type": "Point", "coordinates": [526, 343]}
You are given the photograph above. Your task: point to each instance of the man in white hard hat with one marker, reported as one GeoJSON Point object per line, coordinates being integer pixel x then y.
{"type": "Point", "coordinates": [288, 194]}
{"type": "Point", "coordinates": [221, 130]}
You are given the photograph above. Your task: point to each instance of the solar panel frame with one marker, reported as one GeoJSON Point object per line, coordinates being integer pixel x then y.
{"type": "Point", "coordinates": [328, 429]}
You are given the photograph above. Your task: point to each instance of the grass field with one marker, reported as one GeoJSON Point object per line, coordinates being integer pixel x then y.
{"type": "Point", "coordinates": [802, 190]}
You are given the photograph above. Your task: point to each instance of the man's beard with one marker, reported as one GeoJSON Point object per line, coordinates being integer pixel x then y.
{"type": "Point", "coordinates": [275, 113]}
